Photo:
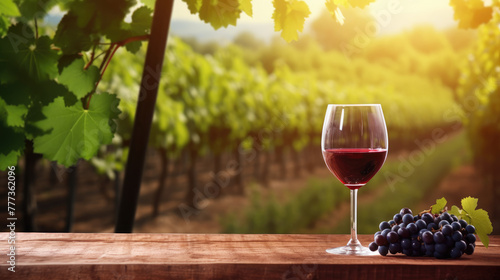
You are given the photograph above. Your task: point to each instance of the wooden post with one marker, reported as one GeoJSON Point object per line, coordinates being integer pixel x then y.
{"type": "Point", "coordinates": [144, 115]}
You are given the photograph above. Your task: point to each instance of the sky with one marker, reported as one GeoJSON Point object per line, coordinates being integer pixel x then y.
{"type": "Point", "coordinates": [395, 16]}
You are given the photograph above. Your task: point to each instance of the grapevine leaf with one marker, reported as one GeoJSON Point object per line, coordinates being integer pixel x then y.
{"type": "Point", "coordinates": [246, 6]}
{"type": "Point", "coordinates": [12, 117]}
{"type": "Point", "coordinates": [334, 10]}
{"type": "Point", "coordinates": [16, 115]}
{"type": "Point", "coordinates": [471, 13]}
{"type": "Point", "coordinates": [33, 56]}
{"type": "Point", "coordinates": [47, 91]}
{"type": "Point", "coordinates": [16, 93]}
{"type": "Point", "coordinates": [4, 25]}
{"type": "Point", "coordinates": [35, 8]}
{"type": "Point", "coordinates": [141, 20]}
{"type": "Point", "coordinates": [469, 204]}
{"type": "Point", "coordinates": [75, 132]}
{"type": "Point", "coordinates": [219, 13]}
{"type": "Point", "coordinates": [482, 223]}
{"type": "Point", "coordinates": [11, 142]}
{"type": "Point", "coordinates": [9, 8]}
{"type": "Point", "coordinates": [42, 60]}
{"type": "Point", "coordinates": [193, 5]}
{"type": "Point", "coordinates": [479, 218]}
{"type": "Point", "coordinates": [455, 211]}
{"type": "Point", "coordinates": [71, 38]}
{"type": "Point", "coordinates": [77, 79]}
{"type": "Point", "coordinates": [439, 206]}
{"type": "Point", "coordinates": [66, 60]}
{"type": "Point", "coordinates": [149, 3]}
{"type": "Point", "coordinates": [289, 17]}
{"type": "Point", "coordinates": [140, 25]}
{"type": "Point", "coordinates": [9, 159]}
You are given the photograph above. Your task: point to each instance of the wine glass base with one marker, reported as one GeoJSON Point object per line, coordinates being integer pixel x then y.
{"type": "Point", "coordinates": [352, 251]}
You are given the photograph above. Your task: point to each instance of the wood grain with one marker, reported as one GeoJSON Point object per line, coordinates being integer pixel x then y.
{"type": "Point", "coordinates": [220, 256]}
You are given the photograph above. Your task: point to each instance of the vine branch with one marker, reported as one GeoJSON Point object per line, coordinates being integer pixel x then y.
{"type": "Point", "coordinates": [107, 59]}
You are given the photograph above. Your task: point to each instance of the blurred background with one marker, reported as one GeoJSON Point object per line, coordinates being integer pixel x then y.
{"type": "Point", "coordinates": [235, 143]}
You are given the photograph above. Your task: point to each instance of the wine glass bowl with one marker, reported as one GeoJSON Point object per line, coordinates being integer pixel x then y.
{"type": "Point", "coordinates": [354, 144]}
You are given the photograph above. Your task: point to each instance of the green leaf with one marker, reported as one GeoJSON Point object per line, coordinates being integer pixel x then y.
{"type": "Point", "coordinates": [149, 3]}
{"type": "Point", "coordinates": [42, 60]}
{"type": "Point", "coordinates": [35, 8]}
{"type": "Point", "coordinates": [481, 221]}
{"type": "Point", "coordinates": [9, 159]}
{"type": "Point", "coordinates": [246, 6]}
{"type": "Point", "coordinates": [455, 211]}
{"type": "Point", "coordinates": [471, 13]}
{"type": "Point", "coordinates": [11, 142]}
{"type": "Point", "coordinates": [289, 17]}
{"type": "Point", "coordinates": [31, 56]}
{"type": "Point", "coordinates": [141, 20]}
{"type": "Point", "coordinates": [193, 5]}
{"type": "Point", "coordinates": [75, 132]}
{"type": "Point", "coordinates": [469, 204]}
{"type": "Point", "coordinates": [439, 206]}
{"type": "Point", "coordinates": [4, 25]}
{"type": "Point", "coordinates": [16, 115]}
{"type": "Point", "coordinates": [333, 8]}
{"type": "Point", "coordinates": [220, 13]}
{"type": "Point", "coordinates": [479, 218]}
{"type": "Point", "coordinates": [16, 93]}
{"type": "Point", "coordinates": [70, 37]}
{"type": "Point", "coordinates": [77, 79]}
{"type": "Point", "coordinates": [9, 8]}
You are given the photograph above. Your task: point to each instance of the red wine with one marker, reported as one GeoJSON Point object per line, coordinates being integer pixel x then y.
{"type": "Point", "coordinates": [354, 167]}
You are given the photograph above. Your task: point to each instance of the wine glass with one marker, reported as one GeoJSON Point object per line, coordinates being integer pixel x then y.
{"type": "Point", "coordinates": [354, 143]}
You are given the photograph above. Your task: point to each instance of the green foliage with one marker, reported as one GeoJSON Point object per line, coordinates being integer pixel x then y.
{"type": "Point", "coordinates": [289, 17]}
{"type": "Point", "coordinates": [471, 14]}
{"type": "Point", "coordinates": [78, 80]}
{"type": "Point", "coordinates": [477, 217]}
{"type": "Point", "coordinates": [479, 97]}
{"type": "Point", "coordinates": [439, 206]}
{"type": "Point", "coordinates": [42, 78]}
{"type": "Point", "coordinates": [75, 132]}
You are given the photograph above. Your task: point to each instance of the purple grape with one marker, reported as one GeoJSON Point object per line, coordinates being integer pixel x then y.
{"type": "Point", "coordinates": [447, 230]}
{"type": "Point", "coordinates": [403, 232]}
{"type": "Point", "coordinates": [470, 229]}
{"type": "Point", "coordinates": [373, 247]}
{"type": "Point", "coordinates": [428, 237]}
{"type": "Point", "coordinates": [405, 211]}
{"type": "Point", "coordinates": [392, 237]}
{"type": "Point", "coordinates": [428, 218]}
{"type": "Point", "coordinates": [457, 236]}
{"type": "Point", "coordinates": [383, 250]}
{"type": "Point", "coordinates": [439, 237]}
{"type": "Point", "coordinates": [380, 240]}
{"type": "Point", "coordinates": [407, 219]}
{"type": "Point", "coordinates": [383, 225]}
{"type": "Point", "coordinates": [471, 238]}
{"type": "Point", "coordinates": [398, 218]}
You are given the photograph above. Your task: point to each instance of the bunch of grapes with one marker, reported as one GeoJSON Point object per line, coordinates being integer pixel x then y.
{"type": "Point", "coordinates": [434, 235]}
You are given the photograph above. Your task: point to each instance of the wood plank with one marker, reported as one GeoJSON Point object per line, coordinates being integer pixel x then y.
{"type": "Point", "coordinates": [226, 256]}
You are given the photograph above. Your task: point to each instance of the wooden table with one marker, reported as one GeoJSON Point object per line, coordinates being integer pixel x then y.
{"type": "Point", "coordinates": [220, 256]}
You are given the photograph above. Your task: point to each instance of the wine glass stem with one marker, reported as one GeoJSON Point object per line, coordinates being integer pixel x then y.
{"type": "Point", "coordinates": [354, 215]}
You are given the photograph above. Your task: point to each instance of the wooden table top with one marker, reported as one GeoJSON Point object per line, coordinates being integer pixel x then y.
{"type": "Point", "coordinates": [225, 256]}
